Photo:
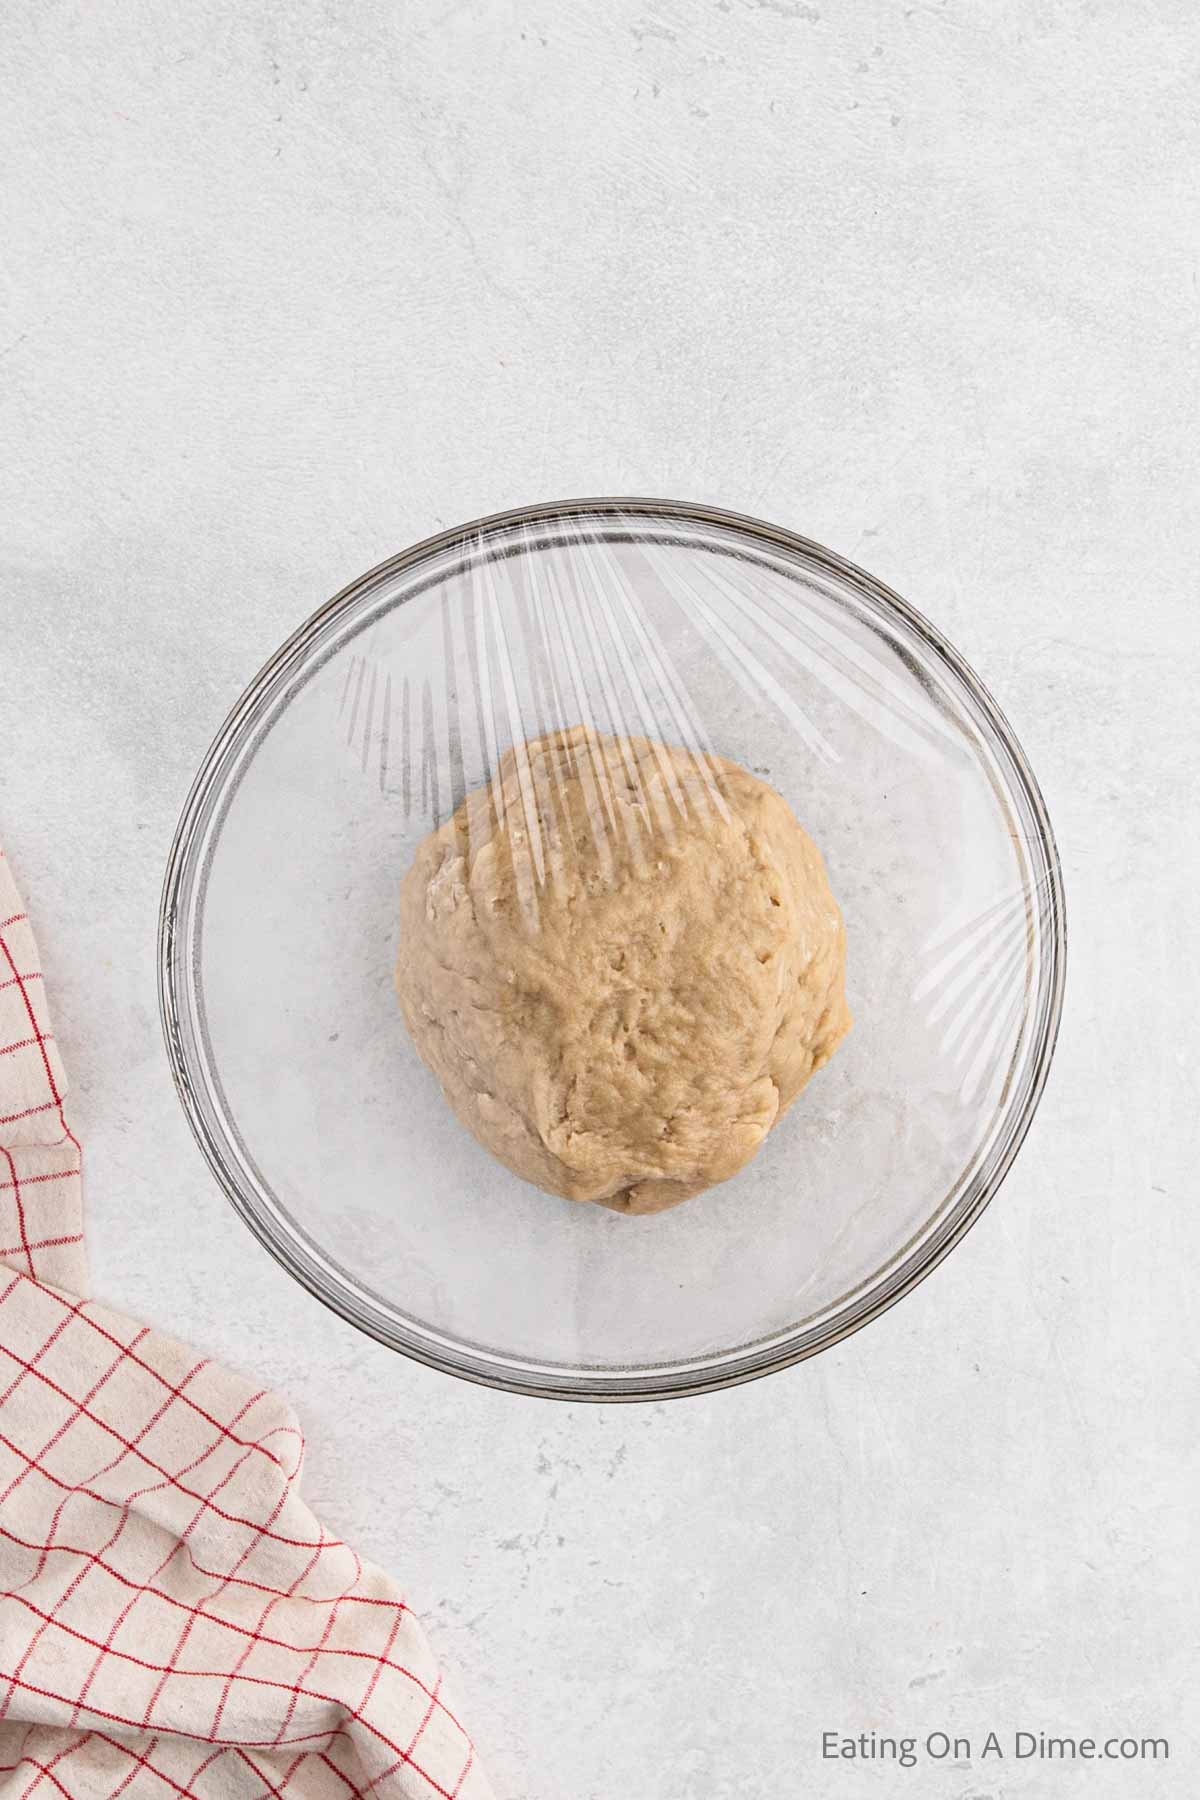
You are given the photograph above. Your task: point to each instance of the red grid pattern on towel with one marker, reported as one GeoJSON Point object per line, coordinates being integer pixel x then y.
{"type": "Point", "coordinates": [173, 1619]}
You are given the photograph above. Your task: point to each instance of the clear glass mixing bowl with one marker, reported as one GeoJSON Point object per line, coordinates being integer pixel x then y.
{"type": "Point", "coordinates": [698, 627]}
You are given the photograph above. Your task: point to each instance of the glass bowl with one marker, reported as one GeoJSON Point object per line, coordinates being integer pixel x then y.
{"type": "Point", "coordinates": [702, 628]}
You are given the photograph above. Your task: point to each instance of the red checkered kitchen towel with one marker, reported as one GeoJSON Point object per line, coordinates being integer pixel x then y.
{"type": "Point", "coordinates": [173, 1619]}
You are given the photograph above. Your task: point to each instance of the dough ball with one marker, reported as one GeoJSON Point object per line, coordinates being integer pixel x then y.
{"type": "Point", "coordinates": [622, 962]}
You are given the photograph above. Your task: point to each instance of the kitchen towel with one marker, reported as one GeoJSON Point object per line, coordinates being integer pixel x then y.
{"type": "Point", "coordinates": [173, 1619]}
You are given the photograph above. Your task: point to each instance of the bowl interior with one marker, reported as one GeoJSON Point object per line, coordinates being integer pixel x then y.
{"type": "Point", "coordinates": [365, 732]}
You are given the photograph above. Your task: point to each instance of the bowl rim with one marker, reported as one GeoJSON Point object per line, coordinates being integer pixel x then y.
{"type": "Point", "coordinates": [650, 1382]}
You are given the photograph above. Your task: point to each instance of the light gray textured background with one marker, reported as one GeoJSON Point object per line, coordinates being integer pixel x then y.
{"type": "Point", "coordinates": [289, 286]}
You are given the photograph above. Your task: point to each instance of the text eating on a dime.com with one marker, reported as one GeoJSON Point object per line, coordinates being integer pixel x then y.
{"type": "Point", "coordinates": [991, 1746]}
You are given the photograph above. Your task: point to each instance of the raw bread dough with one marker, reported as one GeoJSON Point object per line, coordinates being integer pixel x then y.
{"type": "Point", "coordinates": [623, 962]}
